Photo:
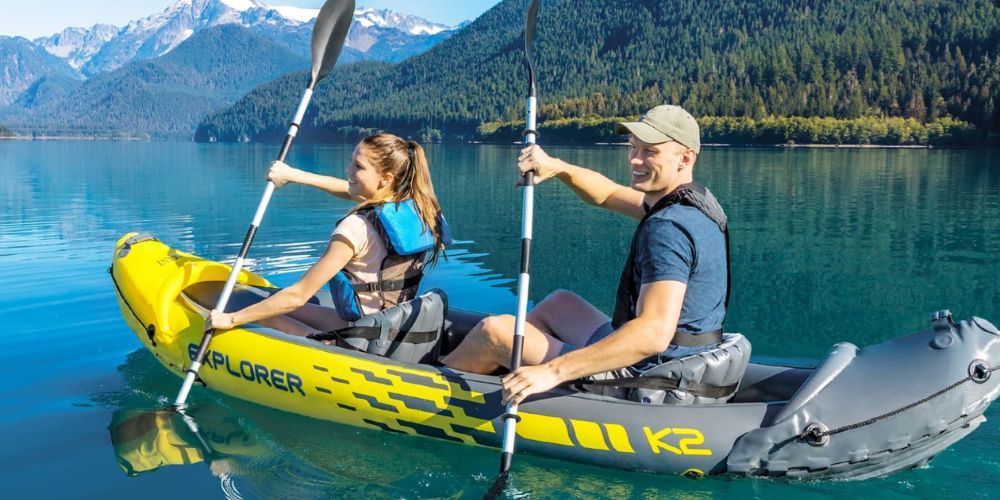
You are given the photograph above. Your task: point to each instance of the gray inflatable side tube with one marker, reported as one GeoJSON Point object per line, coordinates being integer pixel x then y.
{"type": "Point", "coordinates": [880, 409]}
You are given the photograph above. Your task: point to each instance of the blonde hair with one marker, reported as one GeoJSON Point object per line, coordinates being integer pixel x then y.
{"type": "Point", "coordinates": [407, 163]}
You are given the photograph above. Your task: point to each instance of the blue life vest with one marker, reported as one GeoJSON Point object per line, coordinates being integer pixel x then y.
{"type": "Point", "coordinates": [407, 241]}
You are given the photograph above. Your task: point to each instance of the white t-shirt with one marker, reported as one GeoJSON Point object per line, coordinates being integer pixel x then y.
{"type": "Point", "coordinates": [369, 252]}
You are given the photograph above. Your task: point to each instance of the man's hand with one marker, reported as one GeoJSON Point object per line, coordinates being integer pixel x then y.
{"type": "Point", "coordinates": [529, 380]}
{"type": "Point", "coordinates": [281, 173]}
{"type": "Point", "coordinates": [534, 159]}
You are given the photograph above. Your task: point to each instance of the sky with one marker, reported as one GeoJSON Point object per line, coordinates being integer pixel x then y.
{"type": "Point", "coordinates": [35, 18]}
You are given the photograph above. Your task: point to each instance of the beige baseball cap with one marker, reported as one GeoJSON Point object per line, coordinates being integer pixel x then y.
{"type": "Point", "coordinates": [664, 123]}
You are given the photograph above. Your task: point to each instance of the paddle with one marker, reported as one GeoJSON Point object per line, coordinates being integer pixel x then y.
{"type": "Point", "coordinates": [328, 36]}
{"type": "Point", "coordinates": [510, 418]}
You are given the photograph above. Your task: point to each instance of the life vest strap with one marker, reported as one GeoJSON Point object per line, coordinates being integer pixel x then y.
{"type": "Point", "coordinates": [666, 384]}
{"type": "Point", "coordinates": [374, 333]}
{"type": "Point", "coordinates": [389, 285]}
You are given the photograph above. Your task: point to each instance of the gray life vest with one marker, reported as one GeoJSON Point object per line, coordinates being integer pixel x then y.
{"type": "Point", "coordinates": [693, 195]}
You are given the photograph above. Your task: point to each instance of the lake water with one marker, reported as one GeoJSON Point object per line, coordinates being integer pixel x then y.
{"type": "Point", "coordinates": [828, 246]}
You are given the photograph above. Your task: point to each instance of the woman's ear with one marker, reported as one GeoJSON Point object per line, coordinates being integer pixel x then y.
{"type": "Point", "coordinates": [386, 180]}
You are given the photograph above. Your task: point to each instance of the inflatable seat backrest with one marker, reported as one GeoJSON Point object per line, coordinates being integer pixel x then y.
{"type": "Point", "coordinates": [409, 332]}
{"type": "Point", "coordinates": [722, 366]}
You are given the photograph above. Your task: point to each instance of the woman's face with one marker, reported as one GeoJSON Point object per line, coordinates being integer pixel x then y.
{"type": "Point", "coordinates": [363, 179]}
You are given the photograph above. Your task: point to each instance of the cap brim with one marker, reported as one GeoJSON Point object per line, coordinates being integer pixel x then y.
{"type": "Point", "coordinates": [643, 132]}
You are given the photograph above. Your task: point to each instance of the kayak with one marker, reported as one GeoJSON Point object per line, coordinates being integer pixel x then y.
{"type": "Point", "coordinates": [859, 413]}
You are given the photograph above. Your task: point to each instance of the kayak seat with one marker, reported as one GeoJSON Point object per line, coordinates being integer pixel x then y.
{"type": "Point", "coordinates": [709, 377]}
{"type": "Point", "coordinates": [410, 332]}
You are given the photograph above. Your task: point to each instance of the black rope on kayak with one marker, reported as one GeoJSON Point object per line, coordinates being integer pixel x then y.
{"type": "Point", "coordinates": [817, 434]}
{"type": "Point", "coordinates": [150, 329]}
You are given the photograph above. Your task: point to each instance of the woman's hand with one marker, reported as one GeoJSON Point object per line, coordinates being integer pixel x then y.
{"type": "Point", "coordinates": [219, 320]}
{"type": "Point", "coordinates": [282, 173]}
{"type": "Point", "coordinates": [533, 158]}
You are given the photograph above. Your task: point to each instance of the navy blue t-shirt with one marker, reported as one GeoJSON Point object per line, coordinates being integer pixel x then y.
{"type": "Point", "coordinates": [679, 243]}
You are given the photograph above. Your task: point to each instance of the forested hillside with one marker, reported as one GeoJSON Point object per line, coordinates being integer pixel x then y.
{"type": "Point", "coordinates": [834, 59]}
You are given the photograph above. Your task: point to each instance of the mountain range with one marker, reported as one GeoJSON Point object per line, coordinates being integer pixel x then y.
{"type": "Point", "coordinates": [68, 80]}
{"type": "Point", "coordinates": [103, 48]}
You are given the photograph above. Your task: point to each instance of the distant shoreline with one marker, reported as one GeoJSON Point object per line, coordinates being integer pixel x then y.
{"type": "Point", "coordinates": [79, 139]}
{"type": "Point", "coordinates": [558, 144]}
{"type": "Point", "coordinates": [765, 146]}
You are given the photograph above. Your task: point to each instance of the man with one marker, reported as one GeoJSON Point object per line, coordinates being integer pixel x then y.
{"type": "Point", "coordinates": [674, 285]}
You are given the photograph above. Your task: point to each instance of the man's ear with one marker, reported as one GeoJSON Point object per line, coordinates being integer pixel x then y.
{"type": "Point", "coordinates": [687, 160]}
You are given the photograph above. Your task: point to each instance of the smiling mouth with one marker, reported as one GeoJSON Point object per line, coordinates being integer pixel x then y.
{"type": "Point", "coordinates": [638, 174]}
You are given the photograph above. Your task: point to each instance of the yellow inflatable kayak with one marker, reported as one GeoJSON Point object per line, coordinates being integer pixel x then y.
{"type": "Point", "coordinates": [164, 293]}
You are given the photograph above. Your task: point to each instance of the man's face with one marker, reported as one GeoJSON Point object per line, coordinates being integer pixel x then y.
{"type": "Point", "coordinates": [655, 166]}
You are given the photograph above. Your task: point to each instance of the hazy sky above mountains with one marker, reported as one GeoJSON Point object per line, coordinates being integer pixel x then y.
{"type": "Point", "coordinates": [44, 17]}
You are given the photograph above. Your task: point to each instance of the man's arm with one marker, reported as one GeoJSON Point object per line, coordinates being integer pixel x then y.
{"type": "Point", "coordinates": [648, 334]}
{"type": "Point", "coordinates": [591, 186]}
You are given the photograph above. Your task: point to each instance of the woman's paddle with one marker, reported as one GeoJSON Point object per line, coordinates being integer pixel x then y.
{"type": "Point", "coordinates": [328, 36]}
{"type": "Point", "coordinates": [510, 418]}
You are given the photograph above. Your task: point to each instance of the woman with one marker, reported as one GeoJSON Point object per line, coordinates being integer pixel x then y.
{"type": "Point", "coordinates": [385, 172]}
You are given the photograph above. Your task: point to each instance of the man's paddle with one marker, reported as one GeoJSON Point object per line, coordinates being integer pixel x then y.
{"type": "Point", "coordinates": [328, 36]}
{"type": "Point", "coordinates": [528, 211]}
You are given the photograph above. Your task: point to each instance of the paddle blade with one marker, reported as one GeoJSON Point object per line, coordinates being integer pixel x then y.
{"type": "Point", "coordinates": [499, 486]}
{"type": "Point", "coordinates": [529, 40]}
{"type": "Point", "coordinates": [328, 36]}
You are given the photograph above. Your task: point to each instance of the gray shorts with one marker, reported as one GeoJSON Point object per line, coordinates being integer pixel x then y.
{"type": "Point", "coordinates": [600, 333]}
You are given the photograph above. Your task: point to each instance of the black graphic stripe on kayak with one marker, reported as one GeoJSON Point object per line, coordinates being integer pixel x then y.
{"type": "Point", "coordinates": [417, 379]}
{"type": "Point", "coordinates": [426, 430]}
{"type": "Point", "coordinates": [490, 409]}
{"type": "Point", "coordinates": [382, 426]}
{"type": "Point", "coordinates": [371, 377]}
{"type": "Point", "coordinates": [420, 404]}
{"type": "Point", "coordinates": [378, 405]}
{"type": "Point", "coordinates": [477, 435]}
{"type": "Point", "coordinates": [347, 407]}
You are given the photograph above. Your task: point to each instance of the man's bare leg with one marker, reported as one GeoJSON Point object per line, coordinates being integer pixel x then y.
{"type": "Point", "coordinates": [562, 314]}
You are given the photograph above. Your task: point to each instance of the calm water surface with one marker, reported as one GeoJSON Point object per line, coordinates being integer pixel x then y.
{"type": "Point", "coordinates": [828, 246]}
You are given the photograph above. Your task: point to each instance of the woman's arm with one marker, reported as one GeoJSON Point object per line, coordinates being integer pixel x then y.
{"type": "Point", "coordinates": [337, 255]}
{"type": "Point", "coordinates": [283, 173]}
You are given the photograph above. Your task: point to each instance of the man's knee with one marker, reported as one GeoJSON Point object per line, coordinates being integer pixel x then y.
{"type": "Point", "coordinates": [497, 331]}
{"type": "Point", "coordinates": [562, 298]}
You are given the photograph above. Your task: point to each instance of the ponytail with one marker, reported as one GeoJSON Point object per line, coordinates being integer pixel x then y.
{"type": "Point", "coordinates": [411, 179]}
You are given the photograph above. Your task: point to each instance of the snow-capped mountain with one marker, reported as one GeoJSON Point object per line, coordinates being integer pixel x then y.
{"type": "Point", "coordinates": [384, 18]}
{"type": "Point", "coordinates": [385, 34]}
{"type": "Point", "coordinates": [77, 45]}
